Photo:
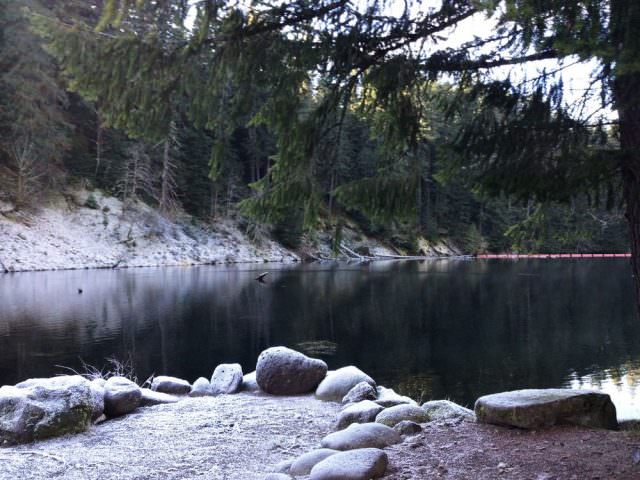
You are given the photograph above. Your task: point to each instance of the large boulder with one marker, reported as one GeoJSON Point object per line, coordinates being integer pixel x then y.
{"type": "Point", "coordinates": [437, 410]}
{"type": "Point", "coordinates": [338, 383]}
{"type": "Point", "coordinates": [97, 390]}
{"type": "Point", "coordinates": [282, 371]}
{"type": "Point", "coordinates": [387, 397]}
{"type": "Point", "coordinates": [361, 464]}
{"type": "Point", "coordinates": [361, 435]}
{"type": "Point", "coordinates": [121, 396]}
{"type": "Point", "coordinates": [45, 407]}
{"type": "Point", "coordinates": [226, 378]}
{"type": "Point", "coordinates": [304, 463]}
{"type": "Point", "coordinates": [394, 415]}
{"type": "Point", "coordinates": [362, 391]}
{"type": "Point", "coordinates": [170, 385]}
{"type": "Point", "coordinates": [361, 412]}
{"type": "Point", "coordinates": [532, 409]}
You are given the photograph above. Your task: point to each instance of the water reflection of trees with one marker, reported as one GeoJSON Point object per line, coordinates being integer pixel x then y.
{"type": "Point", "coordinates": [432, 329]}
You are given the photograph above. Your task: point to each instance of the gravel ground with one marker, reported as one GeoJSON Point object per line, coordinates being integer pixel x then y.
{"type": "Point", "coordinates": [244, 436]}
{"type": "Point", "coordinates": [228, 437]}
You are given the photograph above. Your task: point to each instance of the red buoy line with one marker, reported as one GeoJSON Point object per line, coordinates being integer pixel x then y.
{"type": "Point", "coordinates": [552, 255]}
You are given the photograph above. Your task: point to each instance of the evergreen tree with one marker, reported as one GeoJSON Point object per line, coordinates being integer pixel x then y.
{"type": "Point", "coordinates": [34, 131]}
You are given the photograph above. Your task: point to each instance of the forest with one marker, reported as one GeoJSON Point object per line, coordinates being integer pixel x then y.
{"type": "Point", "coordinates": [88, 98]}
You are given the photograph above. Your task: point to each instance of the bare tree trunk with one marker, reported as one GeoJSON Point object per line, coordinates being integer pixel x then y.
{"type": "Point", "coordinates": [25, 169]}
{"type": "Point", "coordinates": [99, 146]}
{"type": "Point", "coordinates": [625, 28]}
{"type": "Point", "coordinates": [628, 105]}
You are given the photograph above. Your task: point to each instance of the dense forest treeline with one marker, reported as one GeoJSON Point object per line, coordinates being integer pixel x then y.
{"type": "Point", "coordinates": [55, 134]}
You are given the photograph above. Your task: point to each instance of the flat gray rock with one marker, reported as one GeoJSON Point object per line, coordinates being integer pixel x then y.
{"type": "Point", "coordinates": [276, 476]}
{"type": "Point", "coordinates": [249, 383]}
{"type": "Point", "coordinates": [387, 397]}
{"type": "Point", "coordinates": [201, 388]}
{"type": "Point", "coordinates": [170, 385]}
{"type": "Point", "coordinates": [361, 412]}
{"type": "Point", "coordinates": [121, 396]}
{"type": "Point", "coordinates": [446, 410]}
{"type": "Point", "coordinates": [45, 407]}
{"type": "Point", "coordinates": [282, 371]}
{"type": "Point", "coordinates": [361, 464]}
{"type": "Point", "coordinates": [361, 435]}
{"type": "Point", "coordinates": [338, 383]}
{"type": "Point", "coordinates": [226, 378]}
{"type": "Point", "coordinates": [394, 415]}
{"type": "Point", "coordinates": [362, 391]}
{"type": "Point", "coordinates": [533, 409]}
{"type": "Point", "coordinates": [150, 398]}
{"type": "Point", "coordinates": [304, 463]}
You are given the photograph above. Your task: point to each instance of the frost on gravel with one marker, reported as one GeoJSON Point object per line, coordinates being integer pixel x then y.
{"type": "Point", "coordinates": [66, 235]}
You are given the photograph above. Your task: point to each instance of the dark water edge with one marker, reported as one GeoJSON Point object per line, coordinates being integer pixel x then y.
{"type": "Point", "coordinates": [430, 329]}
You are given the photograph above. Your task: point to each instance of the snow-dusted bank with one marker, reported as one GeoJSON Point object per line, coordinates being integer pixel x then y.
{"type": "Point", "coordinates": [366, 418]}
{"type": "Point", "coordinates": [91, 230]}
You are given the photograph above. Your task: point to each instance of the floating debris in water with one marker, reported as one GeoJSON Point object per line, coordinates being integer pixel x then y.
{"type": "Point", "coordinates": [318, 347]}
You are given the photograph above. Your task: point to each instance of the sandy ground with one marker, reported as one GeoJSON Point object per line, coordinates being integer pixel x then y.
{"type": "Point", "coordinates": [243, 436]}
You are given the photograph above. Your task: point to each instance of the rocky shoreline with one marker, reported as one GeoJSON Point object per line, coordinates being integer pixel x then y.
{"type": "Point", "coordinates": [362, 420]}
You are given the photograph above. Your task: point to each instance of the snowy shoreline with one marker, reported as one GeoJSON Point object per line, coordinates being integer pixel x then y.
{"type": "Point", "coordinates": [68, 235]}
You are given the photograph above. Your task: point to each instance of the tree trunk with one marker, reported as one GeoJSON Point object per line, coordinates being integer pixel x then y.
{"type": "Point", "coordinates": [628, 105]}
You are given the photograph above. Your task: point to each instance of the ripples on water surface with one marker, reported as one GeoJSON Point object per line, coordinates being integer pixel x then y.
{"type": "Point", "coordinates": [432, 329]}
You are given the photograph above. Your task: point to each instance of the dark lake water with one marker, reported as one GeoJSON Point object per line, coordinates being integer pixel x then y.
{"type": "Point", "coordinates": [431, 329]}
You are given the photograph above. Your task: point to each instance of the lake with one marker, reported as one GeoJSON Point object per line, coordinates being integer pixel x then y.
{"type": "Point", "coordinates": [452, 329]}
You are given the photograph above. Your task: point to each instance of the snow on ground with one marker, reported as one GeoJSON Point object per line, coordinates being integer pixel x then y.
{"type": "Point", "coordinates": [65, 234]}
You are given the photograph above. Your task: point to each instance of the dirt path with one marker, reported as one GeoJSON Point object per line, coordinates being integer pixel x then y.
{"type": "Point", "coordinates": [464, 450]}
{"type": "Point", "coordinates": [242, 436]}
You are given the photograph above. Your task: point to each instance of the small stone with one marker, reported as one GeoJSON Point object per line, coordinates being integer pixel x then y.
{"type": "Point", "coordinates": [438, 410]}
{"type": "Point", "coordinates": [362, 391]}
{"type": "Point", "coordinates": [282, 467]}
{"type": "Point", "coordinates": [170, 385]}
{"type": "Point", "coordinates": [361, 435]}
{"type": "Point", "coordinates": [337, 384]}
{"type": "Point", "coordinates": [121, 396]}
{"type": "Point", "coordinates": [393, 415]}
{"type": "Point", "coordinates": [150, 398]}
{"type": "Point", "coordinates": [388, 398]}
{"type": "Point", "coordinates": [249, 383]}
{"type": "Point", "coordinates": [226, 378]}
{"type": "Point", "coordinates": [360, 464]}
{"type": "Point", "coordinates": [303, 464]}
{"type": "Point", "coordinates": [407, 428]}
{"type": "Point", "coordinates": [361, 412]}
{"type": "Point", "coordinates": [200, 388]}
